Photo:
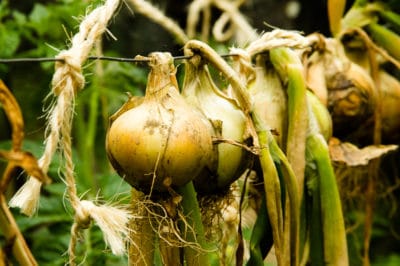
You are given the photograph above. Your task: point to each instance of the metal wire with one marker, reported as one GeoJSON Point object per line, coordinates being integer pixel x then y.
{"type": "Point", "coordinates": [105, 58]}
{"type": "Point", "coordinates": [24, 60]}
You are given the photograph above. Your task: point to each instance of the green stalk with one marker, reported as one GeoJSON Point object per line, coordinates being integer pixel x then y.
{"type": "Point", "coordinates": [391, 17]}
{"type": "Point", "coordinates": [314, 214]}
{"type": "Point", "coordinates": [292, 189]}
{"type": "Point", "coordinates": [261, 239]}
{"type": "Point", "coordinates": [334, 234]}
{"type": "Point", "coordinates": [272, 187]}
{"type": "Point", "coordinates": [385, 38]}
{"type": "Point", "coordinates": [196, 234]}
{"type": "Point", "coordinates": [289, 67]}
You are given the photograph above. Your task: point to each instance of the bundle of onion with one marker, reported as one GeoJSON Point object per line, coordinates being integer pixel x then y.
{"type": "Point", "coordinates": [350, 89]}
{"type": "Point", "coordinates": [161, 141]}
{"type": "Point", "coordinates": [227, 119]}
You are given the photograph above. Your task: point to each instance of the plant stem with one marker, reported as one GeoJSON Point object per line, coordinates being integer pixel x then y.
{"type": "Point", "coordinates": [272, 188]}
{"type": "Point", "coordinates": [170, 255]}
{"type": "Point", "coordinates": [293, 200]}
{"type": "Point", "coordinates": [196, 234]}
{"type": "Point", "coordinates": [334, 234]}
{"type": "Point", "coordinates": [216, 60]}
{"type": "Point", "coordinates": [141, 246]}
{"type": "Point", "coordinates": [374, 165]}
{"type": "Point", "coordinates": [289, 66]}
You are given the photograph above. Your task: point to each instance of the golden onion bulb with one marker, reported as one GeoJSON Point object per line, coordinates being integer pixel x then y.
{"type": "Point", "coordinates": [161, 141]}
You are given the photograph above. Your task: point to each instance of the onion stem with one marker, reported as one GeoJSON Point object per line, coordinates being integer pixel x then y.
{"type": "Point", "coordinates": [142, 237]}
{"type": "Point", "coordinates": [272, 187]}
{"type": "Point", "coordinates": [292, 189]}
{"type": "Point", "coordinates": [334, 234]}
{"type": "Point", "coordinates": [191, 211]}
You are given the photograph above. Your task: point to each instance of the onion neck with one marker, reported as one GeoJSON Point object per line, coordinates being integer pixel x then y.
{"type": "Point", "coordinates": [161, 76]}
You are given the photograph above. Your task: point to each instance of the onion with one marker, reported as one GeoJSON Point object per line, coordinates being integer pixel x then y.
{"type": "Point", "coordinates": [161, 141]}
{"type": "Point", "coordinates": [351, 95]}
{"type": "Point", "coordinates": [228, 121]}
{"type": "Point", "coordinates": [269, 98]}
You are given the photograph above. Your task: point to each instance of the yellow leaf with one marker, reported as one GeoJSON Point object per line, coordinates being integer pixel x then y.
{"type": "Point", "coordinates": [335, 13]}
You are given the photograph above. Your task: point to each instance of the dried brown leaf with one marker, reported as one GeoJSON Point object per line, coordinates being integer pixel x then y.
{"type": "Point", "coordinates": [14, 115]}
{"type": "Point", "coordinates": [351, 155]}
{"type": "Point", "coordinates": [26, 161]}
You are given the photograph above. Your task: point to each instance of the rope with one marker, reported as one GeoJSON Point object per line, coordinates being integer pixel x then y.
{"type": "Point", "coordinates": [160, 18]}
{"type": "Point", "coordinates": [67, 81]}
{"type": "Point", "coordinates": [245, 33]}
{"type": "Point", "coordinates": [230, 13]}
{"type": "Point", "coordinates": [193, 17]}
{"type": "Point", "coordinates": [278, 38]}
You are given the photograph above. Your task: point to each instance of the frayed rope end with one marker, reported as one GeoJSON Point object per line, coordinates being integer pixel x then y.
{"type": "Point", "coordinates": [112, 221]}
{"type": "Point", "coordinates": [27, 197]}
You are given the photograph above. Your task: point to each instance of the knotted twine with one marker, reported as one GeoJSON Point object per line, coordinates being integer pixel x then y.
{"type": "Point", "coordinates": [67, 81]}
{"type": "Point", "coordinates": [145, 8]}
{"type": "Point", "coordinates": [239, 26]}
{"type": "Point", "coordinates": [279, 38]}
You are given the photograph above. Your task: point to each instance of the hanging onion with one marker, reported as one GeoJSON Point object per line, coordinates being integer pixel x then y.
{"type": "Point", "coordinates": [269, 98]}
{"type": "Point", "coordinates": [161, 141]}
{"type": "Point", "coordinates": [351, 95]}
{"type": "Point", "coordinates": [228, 121]}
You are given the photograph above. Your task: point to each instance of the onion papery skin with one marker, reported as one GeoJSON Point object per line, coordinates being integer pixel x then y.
{"type": "Point", "coordinates": [163, 141]}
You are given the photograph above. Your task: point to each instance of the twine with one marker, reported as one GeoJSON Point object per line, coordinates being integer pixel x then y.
{"type": "Point", "coordinates": [278, 38]}
{"type": "Point", "coordinates": [195, 8]}
{"type": "Point", "coordinates": [67, 81]}
{"type": "Point", "coordinates": [160, 18]}
{"type": "Point", "coordinates": [230, 13]}
{"type": "Point", "coordinates": [244, 31]}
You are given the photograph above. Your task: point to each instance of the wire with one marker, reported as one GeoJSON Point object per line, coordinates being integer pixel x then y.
{"type": "Point", "coordinates": [24, 60]}
{"type": "Point", "coordinates": [136, 59]}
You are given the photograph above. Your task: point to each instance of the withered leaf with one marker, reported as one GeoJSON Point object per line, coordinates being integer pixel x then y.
{"type": "Point", "coordinates": [26, 161]}
{"type": "Point", "coordinates": [14, 115]}
{"type": "Point", "coordinates": [351, 155]}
